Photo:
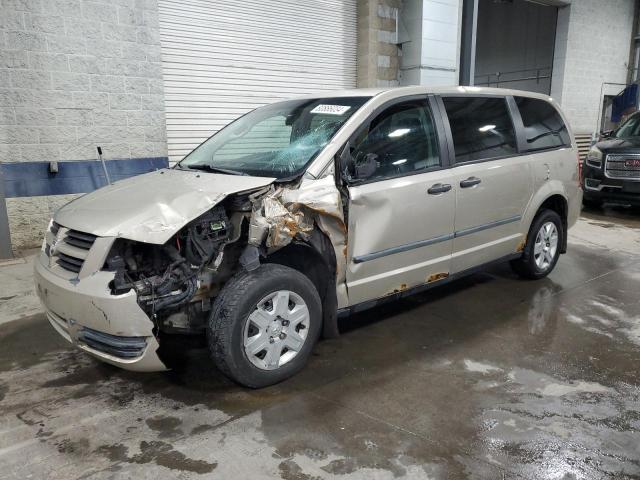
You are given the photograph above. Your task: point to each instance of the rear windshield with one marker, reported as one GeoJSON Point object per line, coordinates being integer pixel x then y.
{"type": "Point", "coordinates": [277, 140]}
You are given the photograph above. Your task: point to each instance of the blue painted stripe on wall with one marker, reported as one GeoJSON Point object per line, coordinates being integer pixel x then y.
{"type": "Point", "coordinates": [32, 179]}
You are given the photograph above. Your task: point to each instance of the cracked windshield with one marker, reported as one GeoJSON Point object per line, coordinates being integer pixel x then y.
{"type": "Point", "coordinates": [277, 140]}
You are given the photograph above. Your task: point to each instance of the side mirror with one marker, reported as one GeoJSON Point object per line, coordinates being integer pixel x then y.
{"type": "Point", "coordinates": [352, 169]}
{"type": "Point", "coordinates": [346, 163]}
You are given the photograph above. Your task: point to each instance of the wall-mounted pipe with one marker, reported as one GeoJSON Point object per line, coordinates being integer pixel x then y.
{"type": "Point", "coordinates": [104, 166]}
{"type": "Point", "coordinates": [634, 50]}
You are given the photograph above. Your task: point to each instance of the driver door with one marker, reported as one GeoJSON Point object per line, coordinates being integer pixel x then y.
{"type": "Point", "coordinates": [401, 214]}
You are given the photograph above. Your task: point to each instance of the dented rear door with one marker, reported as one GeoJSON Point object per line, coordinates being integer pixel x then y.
{"type": "Point", "coordinates": [400, 220]}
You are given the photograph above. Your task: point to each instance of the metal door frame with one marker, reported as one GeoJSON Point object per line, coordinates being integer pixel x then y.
{"type": "Point", "coordinates": [468, 36]}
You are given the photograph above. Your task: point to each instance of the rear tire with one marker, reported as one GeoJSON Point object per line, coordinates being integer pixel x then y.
{"type": "Point", "coordinates": [264, 324]}
{"type": "Point", "coordinates": [542, 250]}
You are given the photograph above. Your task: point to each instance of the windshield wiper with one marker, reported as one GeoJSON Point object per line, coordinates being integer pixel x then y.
{"type": "Point", "coordinates": [209, 168]}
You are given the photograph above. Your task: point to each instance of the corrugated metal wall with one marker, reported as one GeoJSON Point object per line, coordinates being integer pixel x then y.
{"type": "Point", "coordinates": [222, 58]}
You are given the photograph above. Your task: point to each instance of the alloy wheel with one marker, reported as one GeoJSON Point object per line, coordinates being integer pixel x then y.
{"type": "Point", "coordinates": [546, 246]}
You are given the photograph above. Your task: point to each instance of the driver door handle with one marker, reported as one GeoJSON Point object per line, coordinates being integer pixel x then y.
{"type": "Point", "coordinates": [439, 188]}
{"type": "Point", "coordinates": [470, 182]}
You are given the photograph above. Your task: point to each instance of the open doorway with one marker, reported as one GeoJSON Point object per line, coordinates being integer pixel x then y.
{"type": "Point", "coordinates": [515, 42]}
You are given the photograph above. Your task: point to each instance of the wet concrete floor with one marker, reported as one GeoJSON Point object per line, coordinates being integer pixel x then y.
{"type": "Point", "coordinates": [489, 377]}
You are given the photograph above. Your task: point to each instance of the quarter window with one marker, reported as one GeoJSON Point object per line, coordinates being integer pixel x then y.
{"type": "Point", "coordinates": [543, 125]}
{"type": "Point", "coordinates": [401, 140]}
{"type": "Point", "coordinates": [481, 127]}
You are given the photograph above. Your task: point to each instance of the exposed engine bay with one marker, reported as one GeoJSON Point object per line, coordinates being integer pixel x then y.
{"type": "Point", "coordinates": [177, 282]}
{"type": "Point", "coordinates": [167, 278]}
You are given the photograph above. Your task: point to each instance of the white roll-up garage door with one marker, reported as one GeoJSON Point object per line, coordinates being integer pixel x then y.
{"type": "Point", "coordinates": [222, 58]}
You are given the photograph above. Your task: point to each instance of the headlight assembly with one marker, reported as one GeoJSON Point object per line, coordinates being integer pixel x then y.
{"type": "Point", "coordinates": [594, 157]}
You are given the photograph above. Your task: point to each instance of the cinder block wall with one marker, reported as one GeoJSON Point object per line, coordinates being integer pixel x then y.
{"type": "Point", "coordinates": [592, 47]}
{"type": "Point", "coordinates": [378, 54]}
{"type": "Point", "coordinates": [75, 74]}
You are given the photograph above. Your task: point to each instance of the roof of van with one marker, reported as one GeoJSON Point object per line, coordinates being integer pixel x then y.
{"type": "Point", "coordinates": [418, 89]}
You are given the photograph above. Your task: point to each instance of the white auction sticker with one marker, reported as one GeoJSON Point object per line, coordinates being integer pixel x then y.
{"type": "Point", "coordinates": [331, 109]}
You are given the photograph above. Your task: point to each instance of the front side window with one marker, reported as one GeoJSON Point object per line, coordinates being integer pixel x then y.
{"type": "Point", "coordinates": [481, 127]}
{"type": "Point", "coordinates": [399, 141]}
{"type": "Point", "coordinates": [543, 125]}
{"type": "Point", "coordinates": [277, 140]}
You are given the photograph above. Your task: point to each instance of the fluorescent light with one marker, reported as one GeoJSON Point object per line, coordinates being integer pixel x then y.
{"type": "Point", "coordinates": [486, 128]}
{"type": "Point", "coordinates": [399, 132]}
{"type": "Point", "coordinates": [399, 162]}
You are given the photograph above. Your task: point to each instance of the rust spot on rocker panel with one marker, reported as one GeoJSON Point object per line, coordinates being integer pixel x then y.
{"type": "Point", "coordinates": [401, 288]}
{"type": "Point", "coordinates": [521, 245]}
{"type": "Point", "coordinates": [437, 276]}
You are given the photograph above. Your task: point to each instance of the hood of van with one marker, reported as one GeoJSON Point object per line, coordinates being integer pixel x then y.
{"type": "Point", "coordinates": [152, 207]}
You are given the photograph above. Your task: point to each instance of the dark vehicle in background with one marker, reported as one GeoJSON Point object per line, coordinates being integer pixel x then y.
{"type": "Point", "coordinates": [611, 170]}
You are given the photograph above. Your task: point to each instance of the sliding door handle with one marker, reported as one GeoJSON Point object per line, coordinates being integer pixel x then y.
{"type": "Point", "coordinates": [470, 182]}
{"type": "Point", "coordinates": [439, 188]}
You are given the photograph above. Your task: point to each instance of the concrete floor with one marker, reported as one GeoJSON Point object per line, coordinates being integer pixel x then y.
{"type": "Point", "coordinates": [490, 377]}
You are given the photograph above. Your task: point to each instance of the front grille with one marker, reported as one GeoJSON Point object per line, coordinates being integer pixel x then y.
{"type": "Point", "coordinates": [121, 347]}
{"type": "Point", "coordinates": [624, 167]}
{"type": "Point", "coordinates": [69, 263]}
{"type": "Point", "coordinates": [68, 248]}
{"type": "Point", "coordinates": [79, 239]}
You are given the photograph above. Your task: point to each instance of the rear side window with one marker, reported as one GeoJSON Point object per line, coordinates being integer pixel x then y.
{"type": "Point", "coordinates": [481, 127]}
{"type": "Point", "coordinates": [543, 125]}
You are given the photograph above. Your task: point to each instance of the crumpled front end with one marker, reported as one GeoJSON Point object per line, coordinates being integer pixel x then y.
{"type": "Point", "coordinates": [284, 214]}
{"type": "Point", "coordinates": [75, 292]}
{"type": "Point", "coordinates": [118, 293]}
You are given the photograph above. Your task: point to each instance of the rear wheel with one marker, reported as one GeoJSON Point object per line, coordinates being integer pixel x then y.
{"type": "Point", "coordinates": [264, 325]}
{"type": "Point", "coordinates": [542, 249]}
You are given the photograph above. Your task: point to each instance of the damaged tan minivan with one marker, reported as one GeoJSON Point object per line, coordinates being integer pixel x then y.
{"type": "Point", "coordinates": [305, 210]}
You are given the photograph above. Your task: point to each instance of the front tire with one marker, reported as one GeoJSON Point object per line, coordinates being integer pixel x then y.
{"type": "Point", "coordinates": [264, 324]}
{"type": "Point", "coordinates": [542, 249]}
